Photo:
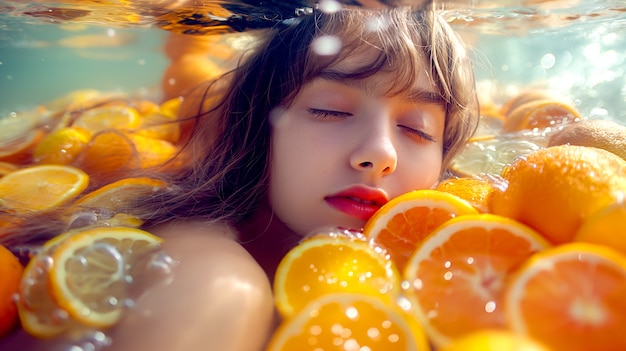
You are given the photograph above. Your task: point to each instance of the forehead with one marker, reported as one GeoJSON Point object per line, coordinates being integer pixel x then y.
{"type": "Point", "coordinates": [391, 79]}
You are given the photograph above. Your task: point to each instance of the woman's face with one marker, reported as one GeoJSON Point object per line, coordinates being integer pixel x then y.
{"type": "Point", "coordinates": [342, 149]}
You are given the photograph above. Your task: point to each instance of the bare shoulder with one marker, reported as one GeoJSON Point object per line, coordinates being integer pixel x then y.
{"type": "Point", "coordinates": [215, 299]}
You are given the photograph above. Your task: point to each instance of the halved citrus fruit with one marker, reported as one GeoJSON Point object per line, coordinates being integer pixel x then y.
{"type": "Point", "coordinates": [401, 224]}
{"type": "Point", "coordinates": [6, 168]}
{"type": "Point", "coordinates": [456, 276]}
{"type": "Point", "coordinates": [327, 263]}
{"type": "Point", "coordinates": [160, 125]}
{"type": "Point", "coordinates": [18, 132]}
{"type": "Point", "coordinates": [539, 114]}
{"type": "Point", "coordinates": [114, 117]}
{"type": "Point", "coordinates": [571, 297]}
{"type": "Point", "coordinates": [522, 98]}
{"type": "Point", "coordinates": [489, 126]}
{"type": "Point", "coordinates": [89, 277]}
{"type": "Point", "coordinates": [39, 188]}
{"type": "Point", "coordinates": [61, 146]}
{"type": "Point", "coordinates": [119, 196]}
{"type": "Point", "coordinates": [171, 107]}
{"type": "Point", "coordinates": [349, 322]}
{"type": "Point", "coordinates": [112, 155]}
{"type": "Point", "coordinates": [490, 156]}
{"type": "Point", "coordinates": [494, 340]}
{"type": "Point", "coordinates": [39, 314]}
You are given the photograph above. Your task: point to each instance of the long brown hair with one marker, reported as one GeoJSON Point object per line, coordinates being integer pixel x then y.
{"type": "Point", "coordinates": [228, 155]}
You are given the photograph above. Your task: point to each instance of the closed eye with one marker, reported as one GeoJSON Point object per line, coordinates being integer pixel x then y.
{"type": "Point", "coordinates": [328, 113]}
{"type": "Point", "coordinates": [417, 133]}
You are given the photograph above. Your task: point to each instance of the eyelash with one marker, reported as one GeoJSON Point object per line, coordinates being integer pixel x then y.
{"type": "Point", "coordinates": [328, 114]}
{"type": "Point", "coordinates": [418, 133]}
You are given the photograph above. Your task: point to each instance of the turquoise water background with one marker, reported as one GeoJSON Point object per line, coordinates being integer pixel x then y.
{"type": "Point", "coordinates": [575, 49]}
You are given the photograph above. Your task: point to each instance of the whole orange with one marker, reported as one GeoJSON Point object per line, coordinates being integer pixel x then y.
{"type": "Point", "coordinates": [10, 276]}
{"type": "Point", "coordinates": [553, 190]}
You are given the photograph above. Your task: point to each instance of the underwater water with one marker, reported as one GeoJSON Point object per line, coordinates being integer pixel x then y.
{"type": "Point", "coordinates": [573, 48]}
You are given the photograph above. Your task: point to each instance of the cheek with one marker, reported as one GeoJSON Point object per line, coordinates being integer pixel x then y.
{"type": "Point", "coordinates": [418, 170]}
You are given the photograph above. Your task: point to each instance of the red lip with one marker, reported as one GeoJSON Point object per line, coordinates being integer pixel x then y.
{"type": "Point", "coordinates": [358, 201]}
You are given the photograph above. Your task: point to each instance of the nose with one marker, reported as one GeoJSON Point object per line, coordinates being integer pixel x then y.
{"type": "Point", "coordinates": [375, 153]}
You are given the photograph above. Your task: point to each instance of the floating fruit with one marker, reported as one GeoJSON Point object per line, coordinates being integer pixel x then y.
{"type": "Point", "coordinates": [89, 273]}
{"type": "Point", "coordinates": [540, 114]}
{"type": "Point", "coordinates": [349, 321]}
{"type": "Point", "coordinates": [554, 190]}
{"type": "Point", "coordinates": [494, 340]}
{"type": "Point", "coordinates": [114, 117]}
{"type": "Point", "coordinates": [600, 133]}
{"type": "Point", "coordinates": [490, 156]}
{"type": "Point", "coordinates": [401, 224]}
{"type": "Point", "coordinates": [606, 227]}
{"type": "Point", "coordinates": [570, 297]}
{"type": "Point", "coordinates": [476, 191]}
{"type": "Point", "coordinates": [10, 276]}
{"type": "Point", "coordinates": [40, 188]}
{"type": "Point", "coordinates": [327, 263]}
{"type": "Point", "coordinates": [61, 146]}
{"type": "Point", "coordinates": [456, 276]}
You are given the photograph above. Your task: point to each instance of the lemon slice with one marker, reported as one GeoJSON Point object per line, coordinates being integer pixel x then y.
{"type": "Point", "coordinates": [39, 314]}
{"type": "Point", "coordinates": [89, 276]}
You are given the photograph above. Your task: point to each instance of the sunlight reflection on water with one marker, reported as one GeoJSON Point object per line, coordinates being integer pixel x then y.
{"type": "Point", "coordinates": [573, 48]}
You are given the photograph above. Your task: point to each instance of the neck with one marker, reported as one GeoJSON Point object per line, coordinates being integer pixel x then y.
{"type": "Point", "coordinates": [267, 239]}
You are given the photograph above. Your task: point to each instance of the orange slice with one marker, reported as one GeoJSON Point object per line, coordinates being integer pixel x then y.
{"type": "Point", "coordinates": [571, 297]}
{"type": "Point", "coordinates": [79, 100]}
{"type": "Point", "coordinates": [332, 263]}
{"type": "Point", "coordinates": [90, 274]}
{"type": "Point", "coordinates": [494, 340]}
{"type": "Point", "coordinates": [160, 125]}
{"type": "Point", "coordinates": [111, 155]}
{"type": "Point", "coordinates": [40, 188]}
{"type": "Point", "coordinates": [61, 146]}
{"type": "Point", "coordinates": [6, 168]}
{"type": "Point", "coordinates": [39, 314]}
{"type": "Point", "coordinates": [491, 156]}
{"type": "Point", "coordinates": [455, 278]}
{"type": "Point", "coordinates": [171, 107]}
{"type": "Point", "coordinates": [348, 321]}
{"type": "Point", "coordinates": [118, 117]}
{"type": "Point", "coordinates": [522, 98]}
{"type": "Point", "coordinates": [489, 126]}
{"type": "Point", "coordinates": [121, 195]}
{"type": "Point", "coordinates": [539, 114]}
{"type": "Point", "coordinates": [19, 149]}
{"type": "Point", "coordinates": [401, 224]}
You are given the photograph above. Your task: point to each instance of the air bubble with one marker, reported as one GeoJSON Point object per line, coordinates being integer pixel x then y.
{"type": "Point", "coordinates": [326, 45]}
{"type": "Point", "coordinates": [329, 6]}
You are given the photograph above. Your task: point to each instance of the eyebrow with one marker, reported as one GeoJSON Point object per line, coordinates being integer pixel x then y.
{"type": "Point", "coordinates": [416, 95]}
